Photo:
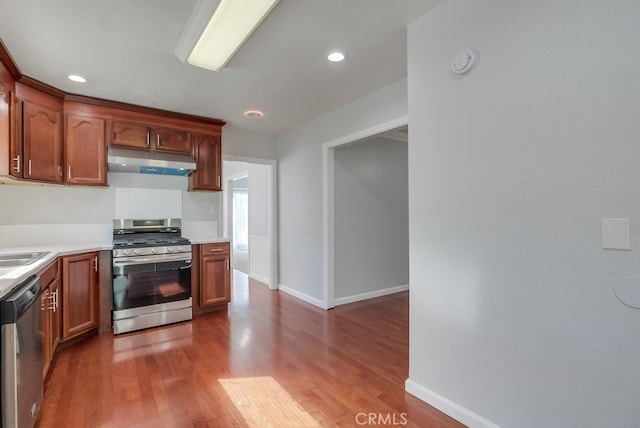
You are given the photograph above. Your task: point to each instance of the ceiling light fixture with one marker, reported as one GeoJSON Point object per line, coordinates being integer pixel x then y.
{"type": "Point", "coordinates": [210, 43]}
{"type": "Point", "coordinates": [336, 56]}
{"type": "Point", "coordinates": [76, 78]}
{"type": "Point", "coordinates": [254, 114]}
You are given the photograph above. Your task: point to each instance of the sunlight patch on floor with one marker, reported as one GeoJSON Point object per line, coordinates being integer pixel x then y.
{"type": "Point", "coordinates": [264, 403]}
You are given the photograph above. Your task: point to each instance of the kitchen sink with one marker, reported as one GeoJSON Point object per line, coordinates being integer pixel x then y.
{"type": "Point", "coordinates": [20, 259]}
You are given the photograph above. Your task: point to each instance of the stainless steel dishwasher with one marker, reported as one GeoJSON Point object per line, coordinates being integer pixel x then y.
{"type": "Point", "coordinates": [21, 372]}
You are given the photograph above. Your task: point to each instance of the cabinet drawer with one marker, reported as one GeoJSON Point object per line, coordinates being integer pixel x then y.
{"type": "Point", "coordinates": [49, 274]}
{"type": "Point", "coordinates": [217, 248]}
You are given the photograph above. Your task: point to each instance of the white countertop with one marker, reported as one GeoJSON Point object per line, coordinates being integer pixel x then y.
{"type": "Point", "coordinates": [10, 277]}
{"type": "Point", "coordinates": [209, 240]}
{"type": "Point", "coordinates": [13, 276]}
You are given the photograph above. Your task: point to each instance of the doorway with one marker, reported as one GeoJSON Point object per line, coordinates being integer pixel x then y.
{"type": "Point", "coordinates": [357, 263]}
{"type": "Point", "coordinates": [249, 216]}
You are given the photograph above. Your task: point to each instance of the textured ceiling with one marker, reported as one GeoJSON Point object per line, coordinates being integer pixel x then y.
{"type": "Point", "coordinates": [126, 50]}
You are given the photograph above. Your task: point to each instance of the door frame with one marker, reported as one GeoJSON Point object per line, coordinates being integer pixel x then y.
{"type": "Point", "coordinates": [328, 203]}
{"type": "Point", "coordinates": [273, 209]}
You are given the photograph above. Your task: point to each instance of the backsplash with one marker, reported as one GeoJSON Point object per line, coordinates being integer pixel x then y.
{"type": "Point", "coordinates": [35, 214]}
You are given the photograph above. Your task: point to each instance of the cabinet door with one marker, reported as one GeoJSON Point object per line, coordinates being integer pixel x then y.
{"type": "Point", "coordinates": [10, 162]}
{"type": "Point", "coordinates": [208, 154]}
{"type": "Point", "coordinates": [47, 354]}
{"type": "Point", "coordinates": [173, 140]}
{"type": "Point", "coordinates": [215, 279]}
{"type": "Point", "coordinates": [42, 142]}
{"type": "Point", "coordinates": [85, 151]}
{"type": "Point", "coordinates": [79, 294]}
{"type": "Point", "coordinates": [128, 134]}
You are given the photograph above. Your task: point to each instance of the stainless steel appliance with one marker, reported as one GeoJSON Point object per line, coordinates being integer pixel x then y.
{"type": "Point", "coordinates": [151, 274]}
{"type": "Point", "coordinates": [22, 386]}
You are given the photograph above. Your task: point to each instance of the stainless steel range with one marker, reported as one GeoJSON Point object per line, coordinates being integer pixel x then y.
{"type": "Point", "coordinates": [151, 274]}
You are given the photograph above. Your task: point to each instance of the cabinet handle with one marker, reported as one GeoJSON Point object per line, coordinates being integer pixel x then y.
{"type": "Point", "coordinates": [218, 181]}
{"type": "Point", "coordinates": [69, 172]}
{"type": "Point", "coordinates": [215, 250]}
{"type": "Point", "coordinates": [95, 263]}
{"type": "Point", "coordinates": [17, 167]}
{"type": "Point", "coordinates": [44, 297]}
{"type": "Point", "coordinates": [29, 166]}
{"type": "Point", "coordinates": [54, 301]}
{"type": "Point", "coordinates": [148, 138]}
{"type": "Point", "coordinates": [158, 139]}
{"type": "Point", "coordinates": [228, 264]}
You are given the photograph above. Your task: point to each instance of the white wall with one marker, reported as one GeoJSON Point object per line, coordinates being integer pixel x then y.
{"type": "Point", "coordinates": [260, 223]}
{"type": "Point", "coordinates": [511, 169]}
{"type": "Point", "coordinates": [371, 219]}
{"type": "Point", "coordinates": [236, 142]}
{"type": "Point", "coordinates": [300, 184]}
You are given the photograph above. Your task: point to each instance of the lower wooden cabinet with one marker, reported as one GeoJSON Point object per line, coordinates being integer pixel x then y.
{"type": "Point", "coordinates": [215, 274]}
{"type": "Point", "coordinates": [79, 294]}
{"type": "Point", "coordinates": [51, 319]}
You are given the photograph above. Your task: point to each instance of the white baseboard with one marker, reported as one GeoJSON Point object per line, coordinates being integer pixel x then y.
{"type": "Point", "coordinates": [259, 278]}
{"type": "Point", "coordinates": [370, 295]}
{"type": "Point", "coordinates": [456, 411]}
{"type": "Point", "coordinates": [302, 296]}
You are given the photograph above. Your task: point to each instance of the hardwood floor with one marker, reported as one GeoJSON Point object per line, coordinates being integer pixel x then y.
{"type": "Point", "coordinates": [270, 360]}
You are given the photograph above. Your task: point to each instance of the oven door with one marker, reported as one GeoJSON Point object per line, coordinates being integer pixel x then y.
{"type": "Point", "coordinates": [138, 283]}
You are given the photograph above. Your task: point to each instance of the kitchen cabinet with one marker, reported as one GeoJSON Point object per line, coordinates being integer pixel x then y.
{"type": "Point", "coordinates": [215, 274]}
{"type": "Point", "coordinates": [140, 136]}
{"type": "Point", "coordinates": [6, 116]}
{"type": "Point", "coordinates": [85, 151]}
{"type": "Point", "coordinates": [208, 156]}
{"type": "Point", "coordinates": [79, 294]}
{"type": "Point", "coordinates": [37, 148]}
{"type": "Point", "coordinates": [51, 320]}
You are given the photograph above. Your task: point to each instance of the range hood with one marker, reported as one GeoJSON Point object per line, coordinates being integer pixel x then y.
{"type": "Point", "coordinates": [121, 159]}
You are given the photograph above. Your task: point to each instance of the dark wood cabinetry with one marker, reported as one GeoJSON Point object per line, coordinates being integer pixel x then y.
{"type": "Point", "coordinates": [79, 294]}
{"type": "Point", "coordinates": [208, 155]}
{"type": "Point", "coordinates": [38, 146]}
{"type": "Point", "coordinates": [139, 136]}
{"type": "Point", "coordinates": [51, 319]}
{"type": "Point", "coordinates": [6, 116]}
{"type": "Point", "coordinates": [215, 274]}
{"type": "Point", "coordinates": [85, 151]}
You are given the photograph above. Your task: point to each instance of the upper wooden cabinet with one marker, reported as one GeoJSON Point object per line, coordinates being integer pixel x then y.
{"type": "Point", "coordinates": [6, 116]}
{"type": "Point", "coordinates": [38, 147]}
{"type": "Point", "coordinates": [208, 153]}
{"type": "Point", "coordinates": [139, 136]}
{"type": "Point", "coordinates": [85, 151]}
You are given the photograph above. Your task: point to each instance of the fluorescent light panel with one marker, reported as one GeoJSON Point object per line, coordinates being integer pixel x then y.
{"type": "Point", "coordinates": [231, 24]}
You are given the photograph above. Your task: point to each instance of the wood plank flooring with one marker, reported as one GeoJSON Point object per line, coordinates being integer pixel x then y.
{"type": "Point", "coordinates": [270, 360]}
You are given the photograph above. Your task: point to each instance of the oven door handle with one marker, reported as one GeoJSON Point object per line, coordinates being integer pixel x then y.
{"type": "Point", "coordinates": [150, 260]}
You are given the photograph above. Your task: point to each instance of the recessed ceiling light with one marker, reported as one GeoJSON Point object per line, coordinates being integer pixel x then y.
{"type": "Point", "coordinates": [76, 78]}
{"type": "Point", "coordinates": [336, 56]}
{"type": "Point", "coordinates": [253, 114]}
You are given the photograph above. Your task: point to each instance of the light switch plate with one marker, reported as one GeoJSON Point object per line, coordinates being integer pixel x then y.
{"type": "Point", "coordinates": [615, 233]}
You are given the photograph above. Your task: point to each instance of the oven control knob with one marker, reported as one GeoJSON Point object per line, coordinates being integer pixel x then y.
{"type": "Point", "coordinates": [125, 252]}
{"type": "Point", "coordinates": [170, 249]}
{"type": "Point", "coordinates": [154, 251]}
{"type": "Point", "coordinates": [179, 249]}
{"type": "Point", "coordinates": [136, 251]}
